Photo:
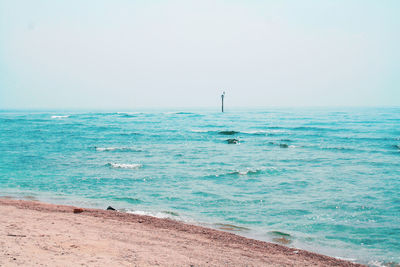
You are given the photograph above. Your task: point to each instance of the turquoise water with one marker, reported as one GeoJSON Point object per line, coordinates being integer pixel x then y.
{"type": "Point", "coordinates": [326, 180]}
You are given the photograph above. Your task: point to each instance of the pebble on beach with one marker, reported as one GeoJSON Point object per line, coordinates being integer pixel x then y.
{"type": "Point", "coordinates": [78, 210]}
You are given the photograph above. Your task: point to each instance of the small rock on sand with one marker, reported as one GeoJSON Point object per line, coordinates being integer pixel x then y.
{"type": "Point", "coordinates": [78, 210]}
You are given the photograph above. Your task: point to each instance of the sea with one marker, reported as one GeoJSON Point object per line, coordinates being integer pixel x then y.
{"type": "Point", "coordinates": [321, 179]}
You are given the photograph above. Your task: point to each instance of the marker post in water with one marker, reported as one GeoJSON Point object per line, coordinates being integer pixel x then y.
{"type": "Point", "coordinates": [222, 98]}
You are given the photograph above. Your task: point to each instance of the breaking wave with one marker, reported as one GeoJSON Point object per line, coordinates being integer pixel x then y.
{"type": "Point", "coordinates": [161, 214]}
{"type": "Point", "coordinates": [59, 116]}
{"type": "Point", "coordinates": [124, 165]}
{"type": "Point", "coordinates": [117, 149]}
{"type": "Point", "coordinates": [231, 132]}
{"type": "Point", "coordinates": [258, 132]}
{"type": "Point", "coordinates": [247, 172]}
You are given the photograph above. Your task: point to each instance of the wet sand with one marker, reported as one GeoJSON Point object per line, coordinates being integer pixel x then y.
{"type": "Point", "coordinates": [34, 233]}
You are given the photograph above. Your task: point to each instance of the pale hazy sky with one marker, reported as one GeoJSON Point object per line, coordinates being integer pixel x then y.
{"type": "Point", "coordinates": [127, 54]}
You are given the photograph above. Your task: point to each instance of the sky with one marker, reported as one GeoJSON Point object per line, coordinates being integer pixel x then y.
{"type": "Point", "coordinates": [127, 54]}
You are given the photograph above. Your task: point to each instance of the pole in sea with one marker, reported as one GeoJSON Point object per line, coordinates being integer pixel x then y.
{"type": "Point", "coordinates": [222, 99]}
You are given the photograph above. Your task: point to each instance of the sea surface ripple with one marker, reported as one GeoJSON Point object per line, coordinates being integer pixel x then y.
{"type": "Point", "coordinates": [326, 180]}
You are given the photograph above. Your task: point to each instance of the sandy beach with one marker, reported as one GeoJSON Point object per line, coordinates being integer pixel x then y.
{"type": "Point", "coordinates": [35, 233]}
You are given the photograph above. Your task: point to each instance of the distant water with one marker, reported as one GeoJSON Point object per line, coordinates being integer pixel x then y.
{"type": "Point", "coordinates": [321, 179]}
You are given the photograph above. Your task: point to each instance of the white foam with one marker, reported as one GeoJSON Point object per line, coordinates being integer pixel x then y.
{"type": "Point", "coordinates": [101, 149]}
{"type": "Point", "coordinates": [255, 132]}
{"type": "Point", "coordinates": [376, 264]}
{"type": "Point", "coordinates": [345, 258]}
{"type": "Point", "coordinates": [160, 215]}
{"type": "Point", "coordinates": [155, 214]}
{"type": "Point", "coordinates": [106, 148]}
{"type": "Point", "coordinates": [124, 165]}
{"type": "Point", "coordinates": [199, 131]}
{"type": "Point", "coordinates": [59, 117]}
{"type": "Point", "coordinates": [248, 171]}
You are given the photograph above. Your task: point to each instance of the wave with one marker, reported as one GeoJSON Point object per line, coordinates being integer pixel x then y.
{"type": "Point", "coordinates": [280, 237]}
{"type": "Point", "coordinates": [282, 145]}
{"type": "Point", "coordinates": [278, 233]}
{"type": "Point", "coordinates": [117, 149]}
{"type": "Point", "coordinates": [205, 194]}
{"type": "Point", "coordinates": [231, 227]}
{"type": "Point", "coordinates": [237, 173]}
{"type": "Point", "coordinates": [307, 128]}
{"type": "Point", "coordinates": [258, 132]}
{"type": "Point", "coordinates": [124, 165]}
{"type": "Point", "coordinates": [369, 139]}
{"type": "Point", "coordinates": [162, 214]}
{"type": "Point", "coordinates": [185, 113]}
{"type": "Point", "coordinates": [128, 134]}
{"type": "Point", "coordinates": [180, 113]}
{"type": "Point", "coordinates": [396, 146]}
{"type": "Point", "coordinates": [343, 149]}
{"type": "Point", "coordinates": [276, 127]}
{"type": "Point", "coordinates": [59, 116]}
{"type": "Point", "coordinates": [313, 128]}
{"type": "Point", "coordinates": [228, 132]}
{"type": "Point", "coordinates": [128, 114]}
{"type": "Point", "coordinates": [247, 172]}
{"type": "Point", "coordinates": [128, 200]}
{"type": "Point", "coordinates": [200, 131]}
{"type": "Point", "coordinates": [232, 141]}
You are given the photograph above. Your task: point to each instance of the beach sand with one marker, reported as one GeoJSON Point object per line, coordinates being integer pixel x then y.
{"type": "Point", "coordinates": [34, 233]}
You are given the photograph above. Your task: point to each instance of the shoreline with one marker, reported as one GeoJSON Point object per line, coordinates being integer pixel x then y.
{"type": "Point", "coordinates": [41, 233]}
